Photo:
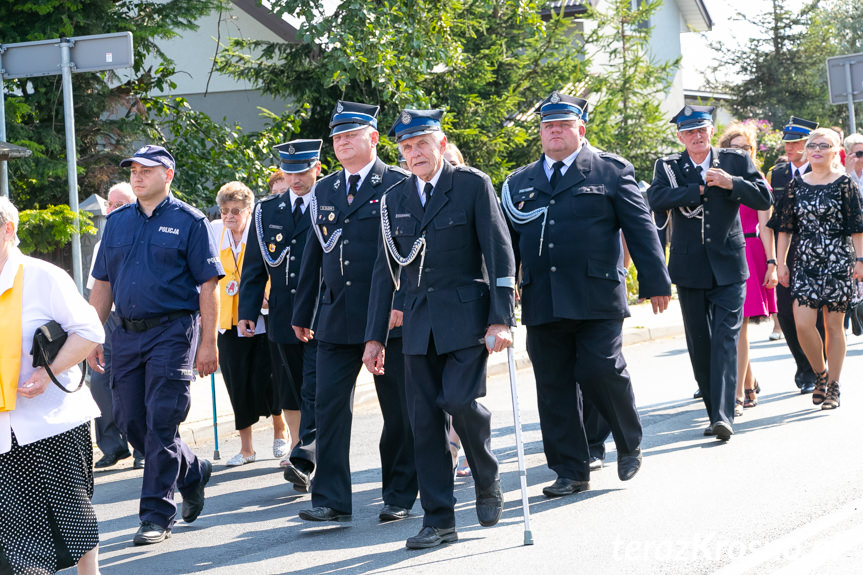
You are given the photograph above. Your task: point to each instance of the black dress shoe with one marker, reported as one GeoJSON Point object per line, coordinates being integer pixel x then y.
{"type": "Point", "coordinates": [431, 537]}
{"type": "Point", "coordinates": [807, 387]}
{"type": "Point", "coordinates": [193, 504]}
{"type": "Point", "coordinates": [324, 514]}
{"type": "Point", "coordinates": [138, 463]}
{"type": "Point", "coordinates": [722, 430]}
{"type": "Point", "coordinates": [111, 459]}
{"type": "Point", "coordinates": [393, 513]}
{"type": "Point", "coordinates": [563, 486]}
{"type": "Point", "coordinates": [697, 394]}
{"type": "Point", "coordinates": [628, 464]}
{"type": "Point", "coordinates": [149, 533]}
{"type": "Point", "coordinates": [709, 431]}
{"type": "Point", "coordinates": [489, 504]}
{"type": "Point", "coordinates": [298, 477]}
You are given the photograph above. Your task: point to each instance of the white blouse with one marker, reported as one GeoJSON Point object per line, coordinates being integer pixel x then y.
{"type": "Point", "coordinates": [49, 293]}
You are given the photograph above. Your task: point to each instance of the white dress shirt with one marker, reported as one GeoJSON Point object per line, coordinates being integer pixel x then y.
{"type": "Point", "coordinates": [49, 294]}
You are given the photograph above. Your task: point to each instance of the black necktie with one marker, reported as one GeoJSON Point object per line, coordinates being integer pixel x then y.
{"type": "Point", "coordinates": [298, 210]}
{"type": "Point", "coordinates": [699, 171]}
{"type": "Point", "coordinates": [352, 187]}
{"type": "Point", "coordinates": [556, 174]}
{"type": "Point", "coordinates": [427, 193]}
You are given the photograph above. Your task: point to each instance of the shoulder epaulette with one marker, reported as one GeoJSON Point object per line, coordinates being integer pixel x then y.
{"type": "Point", "coordinates": [519, 170]}
{"type": "Point", "coordinates": [614, 158]}
{"type": "Point", "coordinates": [269, 198]}
{"type": "Point", "coordinates": [471, 170]}
{"type": "Point", "coordinates": [399, 170]}
{"type": "Point", "coordinates": [191, 210]}
{"type": "Point", "coordinates": [671, 157]}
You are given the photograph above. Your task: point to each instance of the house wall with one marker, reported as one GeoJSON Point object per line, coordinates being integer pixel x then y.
{"type": "Point", "coordinates": [218, 95]}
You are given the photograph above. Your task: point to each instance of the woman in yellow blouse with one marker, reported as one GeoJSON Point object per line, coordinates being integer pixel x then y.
{"type": "Point", "coordinates": [244, 361]}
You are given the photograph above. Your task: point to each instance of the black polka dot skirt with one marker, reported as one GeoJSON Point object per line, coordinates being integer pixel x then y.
{"type": "Point", "coordinates": [47, 522]}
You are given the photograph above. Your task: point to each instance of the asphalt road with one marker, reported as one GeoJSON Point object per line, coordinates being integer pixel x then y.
{"type": "Point", "coordinates": [783, 496]}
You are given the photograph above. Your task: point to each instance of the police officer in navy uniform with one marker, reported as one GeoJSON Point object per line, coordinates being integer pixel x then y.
{"type": "Point", "coordinates": [281, 227]}
{"type": "Point", "coordinates": [345, 211]}
{"type": "Point", "coordinates": [566, 212]}
{"type": "Point", "coordinates": [444, 226]}
{"type": "Point", "coordinates": [794, 136]}
{"type": "Point", "coordinates": [704, 187]}
{"type": "Point", "coordinates": [159, 264]}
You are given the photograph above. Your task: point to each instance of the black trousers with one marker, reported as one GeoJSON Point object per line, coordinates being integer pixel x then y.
{"type": "Point", "coordinates": [440, 384]}
{"type": "Point", "coordinates": [338, 367]}
{"type": "Point", "coordinates": [712, 319]}
{"type": "Point", "coordinates": [568, 355]}
{"type": "Point", "coordinates": [297, 367]}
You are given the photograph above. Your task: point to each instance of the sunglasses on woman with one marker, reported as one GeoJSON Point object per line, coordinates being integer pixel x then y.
{"type": "Point", "coordinates": [232, 211]}
{"type": "Point", "coordinates": [858, 154]}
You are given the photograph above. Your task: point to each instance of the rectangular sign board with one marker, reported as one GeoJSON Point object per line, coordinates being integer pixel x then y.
{"type": "Point", "coordinates": [837, 78]}
{"type": "Point", "coordinates": [87, 54]}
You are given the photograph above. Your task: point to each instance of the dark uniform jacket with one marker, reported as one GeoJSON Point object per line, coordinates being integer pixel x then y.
{"type": "Point", "coordinates": [156, 264]}
{"type": "Point", "coordinates": [468, 271]}
{"type": "Point", "coordinates": [579, 274]}
{"type": "Point", "coordinates": [779, 177]}
{"type": "Point", "coordinates": [719, 258]}
{"type": "Point", "coordinates": [347, 269]}
{"type": "Point", "coordinates": [273, 232]}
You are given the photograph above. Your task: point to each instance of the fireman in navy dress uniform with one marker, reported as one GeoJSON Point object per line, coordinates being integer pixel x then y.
{"type": "Point", "coordinates": [444, 227]}
{"type": "Point", "coordinates": [281, 227]}
{"type": "Point", "coordinates": [566, 213]}
{"type": "Point", "coordinates": [703, 188]}
{"type": "Point", "coordinates": [345, 212]}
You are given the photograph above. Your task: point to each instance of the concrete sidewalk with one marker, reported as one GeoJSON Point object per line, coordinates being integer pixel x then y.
{"type": "Point", "coordinates": [642, 326]}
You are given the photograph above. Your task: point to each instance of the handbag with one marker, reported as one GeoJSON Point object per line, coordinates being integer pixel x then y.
{"type": "Point", "coordinates": [47, 342]}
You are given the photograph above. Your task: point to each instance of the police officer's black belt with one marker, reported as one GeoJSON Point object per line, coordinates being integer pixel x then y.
{"type": "Point", "coordinates": [751, 235]}
{"type": "Point", "coordinates": [139, 325]}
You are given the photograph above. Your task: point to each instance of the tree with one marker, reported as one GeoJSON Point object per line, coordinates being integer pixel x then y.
{"type": "Point", "coordinates": [109, 116]}
{"type": "Point", "coordinates": [783, 69]}
{"type": "Point", "coordinates": [488, 62]}
{"type": "Point", "coordinates": [629, 87]}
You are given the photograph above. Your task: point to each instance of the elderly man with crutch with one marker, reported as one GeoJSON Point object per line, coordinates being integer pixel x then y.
{"type": "Point", "coordinates": [445, 228]}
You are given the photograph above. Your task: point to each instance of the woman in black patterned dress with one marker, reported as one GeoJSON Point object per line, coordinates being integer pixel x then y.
{"type": "Point", "coordinates": [822, 213]}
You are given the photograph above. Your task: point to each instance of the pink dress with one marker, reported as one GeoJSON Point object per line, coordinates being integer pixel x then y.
{"type": "Point", "coordinates": [760, 301]}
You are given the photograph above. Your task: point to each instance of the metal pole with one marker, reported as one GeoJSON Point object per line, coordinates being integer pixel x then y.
{"type": "Point", "coordinates": [216, 455]}
{"type": "Point", "coordinates": [4, 167]}
{"type": "Point", "coordinates": [851, 119]}
{"type": "Point", "coordinates": [522, 473]}
{"type": "Point", "coordinates": [71, 156]}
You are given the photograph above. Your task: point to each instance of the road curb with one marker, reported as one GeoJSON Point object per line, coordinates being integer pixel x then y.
{"type": "Point", "coordinates": [200, 432]}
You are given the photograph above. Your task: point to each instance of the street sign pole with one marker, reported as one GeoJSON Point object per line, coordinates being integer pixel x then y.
{"type": "Point", "coordinates": [79, 54]}
{"type": "Point", "coordinates": [850, 98]}
{"type": "Point", "coordinates": [71, 156]}
{"type": "Point", "coordinates": [4, 173]}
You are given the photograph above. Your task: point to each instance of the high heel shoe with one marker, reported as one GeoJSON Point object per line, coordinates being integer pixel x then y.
{"type": "Point", "coordinates": [832, 399]}
{"type": "Point", "coordinates": [820, 392]}
{"type": "Point", "coordinates": [751, 398]}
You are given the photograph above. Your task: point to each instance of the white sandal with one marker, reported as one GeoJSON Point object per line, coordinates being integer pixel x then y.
{"type": "Point", "coordinates": [280, 448]}
{"type": "Point", "coordinates": [239, 460]}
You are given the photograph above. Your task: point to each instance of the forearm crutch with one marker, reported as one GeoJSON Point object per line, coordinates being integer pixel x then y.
{"type": "Point", "coordinates": [216, 455]}
{"type": "Point", "coordinates": [522, 473]}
